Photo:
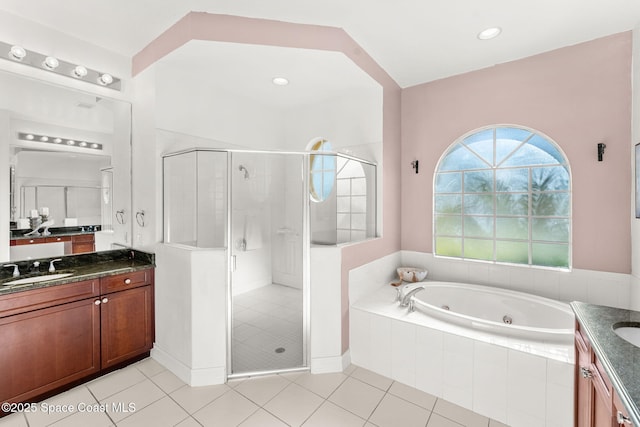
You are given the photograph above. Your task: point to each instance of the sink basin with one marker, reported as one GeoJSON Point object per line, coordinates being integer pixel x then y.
{"type": "Point", "coordinates": [630, 334]}
{"type": "Point", "coordinates": [36, 279]}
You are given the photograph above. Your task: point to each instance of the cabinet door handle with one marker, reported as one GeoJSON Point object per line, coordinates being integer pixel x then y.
{"type": "Point", "coordinates": [97, 302]}
{"type": "Point", "coordinates": [105, 300]}
{"type": "Point", "coordinates": [622, 420]}
{"type": "Point", "coordinates": [585, 372]}
{"type": "Point", "coordinates": [127, 281]}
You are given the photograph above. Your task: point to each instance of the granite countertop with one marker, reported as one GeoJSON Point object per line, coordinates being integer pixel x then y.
{"type": "Point", "coordinates": [83, 266]}
{"type": "Point", "coordinates": [620, 359]}
{"type": "Point", "coordinates": [55, 232]}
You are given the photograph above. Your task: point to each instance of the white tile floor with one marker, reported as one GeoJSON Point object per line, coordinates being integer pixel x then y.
{"type": "Point", "coordinates": [265, 320]}
{"type": "Point", "coordinates": [153, 396]}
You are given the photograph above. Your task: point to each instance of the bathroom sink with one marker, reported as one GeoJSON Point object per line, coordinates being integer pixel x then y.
{"type": "Point", "coordinates": [629, 333]}
{"type": "Point", "coordinates": [37, 279]}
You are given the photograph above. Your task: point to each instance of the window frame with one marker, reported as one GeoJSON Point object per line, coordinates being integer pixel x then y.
{"type": "Point", "coordinates": [493, 238]}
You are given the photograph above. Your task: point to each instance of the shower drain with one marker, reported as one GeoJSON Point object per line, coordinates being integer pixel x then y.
{"type": "Point", "coordinates": [507, 319]}
{"type": "Point", "coordinates": [280, 350]}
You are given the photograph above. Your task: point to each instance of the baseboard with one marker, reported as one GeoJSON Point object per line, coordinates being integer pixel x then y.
{"type": "Point", "coordinates": [326, 365]}
{"type": "Point", "coordinates": [193, 377]}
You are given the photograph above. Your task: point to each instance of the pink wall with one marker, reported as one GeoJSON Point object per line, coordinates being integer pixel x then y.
{"type": "Point", "coordinates": [206, 26]}
{"type": "Point", "coordinates": [578, 96]}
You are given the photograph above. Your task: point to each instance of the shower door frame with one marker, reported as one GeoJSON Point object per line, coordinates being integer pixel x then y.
{"type": "Point", "coordinates": [306, 261]}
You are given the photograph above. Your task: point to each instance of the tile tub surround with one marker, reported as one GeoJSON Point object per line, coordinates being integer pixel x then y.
{"type": "Point", "coordinates": [84, 266]}
{"type": "Point", "coordinates": [520, 383]}
{"type": "Point", "coordinates": [618, 357]}
{"type": "Point", "coordinates": [323, 400]}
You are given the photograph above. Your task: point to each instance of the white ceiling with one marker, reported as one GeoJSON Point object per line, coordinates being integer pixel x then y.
{"type": "Point", "coordinates": [415, 41]}
{"type": "Point", "coordinates": [247, 71]}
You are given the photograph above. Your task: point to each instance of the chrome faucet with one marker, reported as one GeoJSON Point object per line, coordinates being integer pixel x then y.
{"type": "Point", "coordinates": [407, 297]}
{"type": "Point", "coordinates": [16, 271]}
{"type": "Point", "coordinates": [52, 268]}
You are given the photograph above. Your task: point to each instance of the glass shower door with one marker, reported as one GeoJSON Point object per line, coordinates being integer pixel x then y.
{"type": "Point", "coordinates": [267, 285]}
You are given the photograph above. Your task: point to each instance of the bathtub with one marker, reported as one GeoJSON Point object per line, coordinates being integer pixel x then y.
{"type": "Point", "coordinates": [498, 311]}
{"type": "Point", "coordinates": [456, 345]}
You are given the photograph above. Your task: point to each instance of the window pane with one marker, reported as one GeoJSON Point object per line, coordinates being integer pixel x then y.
{"type": "Point", "coordinates": [448, 204]}
{"type": "Point", "coordinates": [512, 180]}
{"type": "Point", "coordinates": [358, 186]}
{"type": "Point", "coordinates": [543, 144]}
{"type": "Point", "coordinates": [478, 181]}
{"type": "Point", "coordinates": [497, 192]}
{"type": "Point", "coordinates": [449, 246]}
{"type": "Point", "coordinates": [550, 255]}
{"type": "Point", "coordinates": [555, 178]}
{"type": "Point", "coordinates": [512, 204]}
{"type": "Point", "coordinates": [550, 204]}
{"type": "Point", "coordinates": [514, 252]}
{"type": "Point", "coordinates": [482, 144]}
{"type": "Point", "coordinates": [478, 249]}
{"type": "Point", "coordinates": [530, 154]}
{"type": "Point", "coordinates": [478, 204]}
{"type": "Point", "coordinates": [460, 158]}
{"type": "Point", "coordinates": [450, 225]}
{"type": "Point", "coordinates": [449, 182]}
{"type": "Point", "coordinates": [512, 228]}
{"type": "Point", "coordinates": [553, 230]}
{"type": "Point", "coordinates": [478, 226]}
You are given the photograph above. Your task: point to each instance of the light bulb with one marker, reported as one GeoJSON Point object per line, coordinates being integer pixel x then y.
{"type": "Point", "coordinates": [44, 138]}
{"type": "Point", "coordinates": [50, 63]}
{"type": "Point", "coordinates": [105, 79]}
{"type": "Point", "coordinates": [80, 71]}
{"type": "Point", "coordinates": [83, 144]}
{"type": "Point", "coordinates": [29, 137]}
{"type": "Point", "coordinates": [18, 53]}
{"type": "Point", "coordinates": [71, 142]}
{"type": "Point", "coordinates": [57, 140]}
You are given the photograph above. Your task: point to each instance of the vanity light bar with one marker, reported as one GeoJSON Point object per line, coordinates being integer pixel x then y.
{"type": "Point", "coordinates": [56, 140]}
{"type": "Point", "coordinates": [15, 53]}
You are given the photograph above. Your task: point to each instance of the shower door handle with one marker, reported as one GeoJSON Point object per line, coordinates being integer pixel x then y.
{"type": "Point", "coordinates": [233, 263]}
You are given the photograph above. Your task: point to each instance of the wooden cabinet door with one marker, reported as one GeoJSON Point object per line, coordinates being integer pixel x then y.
{"type": "Point", "coordinates": [83, 243]}
{"type": "Point", "coordinates": [620, 412]}
{"type": "Point", "coordinates": [584, 388]}
{"type": "Point", "coordinates": [603, 415]}
{"type": "Point", "coordinates": [127, 324]}
{"type": "Point", "coordinates": [48, 348]}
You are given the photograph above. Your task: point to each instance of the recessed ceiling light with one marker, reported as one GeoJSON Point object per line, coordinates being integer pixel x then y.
{"type": "Point", "coordinates": [280, 81]}
{"type": "Point", "coordinates": [489, 33]}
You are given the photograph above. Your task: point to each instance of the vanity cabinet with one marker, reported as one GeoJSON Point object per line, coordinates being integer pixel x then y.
{"type": "Point", "coordinates": [596, 402]}
{"type": "Point", "coordinates": [126, 316]}
{"type": "Point", "coordinates": [83, 243]}
{"type": "Point", "coordinates": [58, 335]}
{"type": "Point", "coordinates": [73, 244]}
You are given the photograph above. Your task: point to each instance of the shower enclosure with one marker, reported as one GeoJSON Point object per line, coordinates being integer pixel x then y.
{"type": "Point", "coordinates": [259, 208]}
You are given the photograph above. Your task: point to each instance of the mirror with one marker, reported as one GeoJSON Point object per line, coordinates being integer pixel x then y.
{"type": "Point", "coordinates": [67, 155]}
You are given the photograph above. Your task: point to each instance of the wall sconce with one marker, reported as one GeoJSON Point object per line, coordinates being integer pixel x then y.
{"type": "Point", "coordinates": [601, 147]}
{"type": "Point", "coordinates": [414, 165]}
{"type": "Point", "coordinates": [15, 53]}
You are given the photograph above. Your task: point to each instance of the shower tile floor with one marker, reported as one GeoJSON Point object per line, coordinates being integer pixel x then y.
{"type": "Point", "coordinates": [267, 329]}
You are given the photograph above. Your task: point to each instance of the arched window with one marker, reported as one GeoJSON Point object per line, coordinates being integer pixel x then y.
{"type": "Point", "coordinates": [503, 194]}
{"type": "Point", "coordinates": [322, 169]}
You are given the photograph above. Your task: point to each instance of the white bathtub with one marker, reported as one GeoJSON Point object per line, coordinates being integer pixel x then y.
{"type": "Point", "coordinates": [521, 374]}
{"type": "Point", "coordinates": [498, 311]}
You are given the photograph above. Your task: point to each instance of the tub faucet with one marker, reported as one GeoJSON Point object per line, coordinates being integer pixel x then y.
{"type": "Point", "coordinates": [407, 297]}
